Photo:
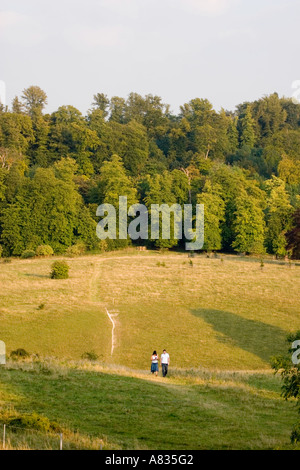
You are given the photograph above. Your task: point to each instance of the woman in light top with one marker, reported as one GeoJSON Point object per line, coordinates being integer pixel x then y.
{"type": "Point", "coordinates": [154, 363]}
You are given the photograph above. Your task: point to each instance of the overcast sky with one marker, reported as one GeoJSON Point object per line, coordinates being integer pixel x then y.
{"type": "Point", "coordinates": [228, 51]}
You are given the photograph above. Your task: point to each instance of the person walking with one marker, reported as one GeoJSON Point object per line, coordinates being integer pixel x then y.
{"type": "Point", "coordinates": [165, 361]}
{"type": "Point", "coordinates": [154, 363]}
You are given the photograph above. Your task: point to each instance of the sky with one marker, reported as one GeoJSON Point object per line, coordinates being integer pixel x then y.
{"type": "Point", "coordinates": [228, 51]}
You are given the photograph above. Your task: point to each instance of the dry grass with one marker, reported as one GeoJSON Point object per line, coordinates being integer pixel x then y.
{"type": "Point", "coordinates": [118, 408]}
{"type": "Point", "coordinates": [221, 315]}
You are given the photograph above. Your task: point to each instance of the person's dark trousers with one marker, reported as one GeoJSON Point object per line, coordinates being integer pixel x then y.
{"type": "Point", "coordinates": [164, 368]}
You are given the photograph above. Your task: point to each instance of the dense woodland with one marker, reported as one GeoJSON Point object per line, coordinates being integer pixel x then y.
{"type": "Point", "coordinates": [55, 169]}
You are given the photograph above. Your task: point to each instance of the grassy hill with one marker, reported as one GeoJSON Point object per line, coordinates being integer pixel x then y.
{"type": "Point", "coordinates": [220, 320]}
{"type": "Point", "coordinates": [217, 314]}
{"type": "Point", "coordinates": [130, 410]}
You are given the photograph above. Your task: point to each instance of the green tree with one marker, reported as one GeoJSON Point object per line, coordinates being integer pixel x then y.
{"type": "Point", "coordinates": [2, 184]}
{"type": "Point", "coordinates": [233, 135]}
{"type": "Point", "coordinates": [160, 190]}
{"type": "Point", "coordinates": [130, 142]}
{"type": "Point", "coordinates": [39, 147]}
{"type": "Point", "coordinates": [269, 115]}
{"type": "Point", "coordinates": [293, 236]}
{"type": "Point", "coordinates": [247, 129]}
{"type": "Point", "coordinates": [113, 183]}
{"type": "Point", "coordinates": [17, 106]}
{"type": "Point", "coordinates": [16, 132]}
{"type": "Point", "coordinates": [117, 109]}
{"type": "Point", "coordinates": [278, 216]}
{"type": "Point", "coordinates": [214, 215]}
{"type": "Point", "coordinates": [101, 102]}
{"type": "Point", "coordinates": [14, 179]}
{"type": "Point", "coordinates": [45, 211]}
{"type": "Point", "coordinates": [249, 225]}
{"type": "Point", "coordinates": [34, 99]}
{"type": "Point", "coordinates": [70, 136]}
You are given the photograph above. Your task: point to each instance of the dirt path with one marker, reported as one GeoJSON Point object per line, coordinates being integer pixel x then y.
{"type": "Point", "coordinates": [111, 316]}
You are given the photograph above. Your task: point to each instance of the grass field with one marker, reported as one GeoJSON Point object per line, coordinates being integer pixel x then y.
{"type": "Point", "coordinates": [221, 321]}
{"type": "Point", "coordinates": [222, 315]}
{"type": "Point", "coordinates": [127, 410]}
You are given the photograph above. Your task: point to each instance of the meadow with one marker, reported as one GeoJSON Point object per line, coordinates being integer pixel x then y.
{"type": "Point", "coordinates": [227, 315]}
{"type": "Point", "coordinates": [117, 408]}
{"type": "Point", "coordinates": [221, 319]}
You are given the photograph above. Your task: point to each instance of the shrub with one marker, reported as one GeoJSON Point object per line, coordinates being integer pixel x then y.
{"type": "Point", "coordinates": [76, 250]}
{"type": "Point", "coordinates": [60, 270]}
{"type": "Point", "coordinates": [6, 260]}
{"type": "Point", "coordinates": [19, 354]}
{"type": "Point", "coordinates": [1, 251]}
{"type": "Point", "coordinates": [114, 245]}
{"type": "Point", "coordinates": [290, 375]}
{"type": "Point", "coordinates": [91, 356]}
{"type": "Point", "coordinates": [34, 421]}
{"type": "Point", "coordinates": [262, 264]}
{"type": "Point", "coordinates": [28, 254]}
{"type": "Point", "coordinates": [103, 245]}
{"type": "Point", "coordinates": [44, 250]}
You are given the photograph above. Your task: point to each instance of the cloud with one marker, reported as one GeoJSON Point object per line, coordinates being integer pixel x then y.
{"type": "Point", "coordinates": [207, 7]}
{"type": "Point", "coordinates": [127, 8]}
{"type": "Point", "coordinates": [240, 32]}
{"type": "Point", "coordinates": [87, 38]}
{"type": "Point", "coordinates": [20, 29]}
{"type": "Point", "coordinates": [9, 18]}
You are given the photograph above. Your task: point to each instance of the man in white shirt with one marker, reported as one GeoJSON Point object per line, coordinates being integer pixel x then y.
{"type": "Point", "coordinates": [165, 361]}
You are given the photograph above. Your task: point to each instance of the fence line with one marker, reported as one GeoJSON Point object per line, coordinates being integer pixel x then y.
{"type": "Point", "coordinates": [7, 427]}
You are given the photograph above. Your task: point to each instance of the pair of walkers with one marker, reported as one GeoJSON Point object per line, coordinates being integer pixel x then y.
{"type": "Point", "coordinates": [164, 360]}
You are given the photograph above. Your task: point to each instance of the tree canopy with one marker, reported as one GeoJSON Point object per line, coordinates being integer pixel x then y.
{"type": "Point", "coordinates": [244, 166]}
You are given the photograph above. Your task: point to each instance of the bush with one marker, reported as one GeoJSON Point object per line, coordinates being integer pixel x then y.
{"type": "Point", "coordinates": [34, 421]}
{"type": "Point", "coordinates": [295, 436]}
{"type": "Point", "coordinates": [91, 356]}
{"type": "Point", "coordinates": [161, 264]}
{"type": "Point", "coordinates": [60, 270]}
{"type": "Point", "coordinates": [28, 254]}
{"type": "Point", "coordinates": [44, 250]}
{"type": "Point", "coordinates": [1, 251]}
{"type": "Point", "coordinates": [19, 354]}
{"type": "Point", "coordinates": [114, 245]}
{"type": "Point", "coordinates": [262, 263]}
{"type": "Point", "coordinates": [103, 245]}
{"type": "Point", "coordinates": [290, 374]}
{"type": "Point", "coordinates": [76, 250]}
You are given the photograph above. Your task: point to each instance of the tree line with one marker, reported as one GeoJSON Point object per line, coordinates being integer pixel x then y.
{"type": "Point", "coordinates": [244, 166]}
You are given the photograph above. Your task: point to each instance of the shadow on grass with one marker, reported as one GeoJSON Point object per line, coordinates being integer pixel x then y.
{"type": "Point", "coordinates": [252, 336]}
{"type": "Point", "coordinates": [127, 409]}
{"type": "Point", "coordinates": [42, 276]}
